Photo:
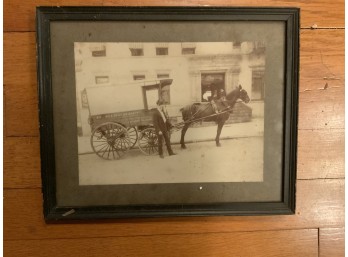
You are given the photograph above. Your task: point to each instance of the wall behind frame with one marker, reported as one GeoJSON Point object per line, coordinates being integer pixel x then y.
{"type": "Point", "coordinates": [317, 229]}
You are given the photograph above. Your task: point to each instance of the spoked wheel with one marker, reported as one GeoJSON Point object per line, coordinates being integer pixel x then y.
{"type": "Point", "coordinates": [110, 141]}
{"type": "Point", "coordinates": [132, 135]}
{"type": "Point", "coordinates": [148, 141]}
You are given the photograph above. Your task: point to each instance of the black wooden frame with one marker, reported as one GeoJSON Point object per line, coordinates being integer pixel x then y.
{"type": "Point", "coordinates": [47, 14]}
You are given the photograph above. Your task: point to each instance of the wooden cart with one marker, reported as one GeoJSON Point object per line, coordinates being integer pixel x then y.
{"type": "Point", "coordinates": [120, 117]}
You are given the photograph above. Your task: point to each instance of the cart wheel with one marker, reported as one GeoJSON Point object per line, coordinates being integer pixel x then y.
{"type": "Point", "coordinates": [110, 141]}
{"type": "Point", "coordinates": [132, 136]}
{"type": "Point", "coordinates": [148, 141]}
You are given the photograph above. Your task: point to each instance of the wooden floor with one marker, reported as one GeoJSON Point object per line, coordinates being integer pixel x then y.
{"type": "Point", "coordinates": [317, 229]}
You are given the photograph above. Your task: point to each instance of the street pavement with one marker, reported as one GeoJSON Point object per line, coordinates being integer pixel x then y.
{"type": "Point", "coordinates": [253, 128]}
{"type": "Point", "coordinates": [238, 160]}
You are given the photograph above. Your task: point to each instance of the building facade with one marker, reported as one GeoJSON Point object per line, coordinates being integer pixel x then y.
{"type": "Point", "coordinates": [197, 69]}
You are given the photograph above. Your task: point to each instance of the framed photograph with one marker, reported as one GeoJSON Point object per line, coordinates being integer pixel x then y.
{"type": "Point", "coordinates": [175, 111]}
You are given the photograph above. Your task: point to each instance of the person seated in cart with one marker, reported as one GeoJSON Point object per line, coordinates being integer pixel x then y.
{"type": "Point", "coordinates": [214, 98]}
{"type": "Point", "coordinates": [218, 95]}
{"type": "Point", "coordinates": [162, 126]}
{"type": "Point", "coordinates": [222, 95]}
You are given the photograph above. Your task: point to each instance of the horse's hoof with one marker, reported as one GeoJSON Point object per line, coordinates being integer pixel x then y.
{"type": "Point", "coordinates": [183, 147]}
{"type": "Point", "coordinates": [218, 145]}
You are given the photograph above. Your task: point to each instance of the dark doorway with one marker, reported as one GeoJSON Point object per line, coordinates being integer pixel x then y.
{"type": "Point", "coordinates": [212, 83]}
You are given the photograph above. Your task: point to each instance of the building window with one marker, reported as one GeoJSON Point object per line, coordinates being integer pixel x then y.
{"type": "Point", "coordinates": [187, 50]}
{"type": "Point", "coordinates": [101, 79]}
{"type": "Point", "coordinates": [237, 44]}
{"type": "Point", "coordinates": [99, 51]}
{"type": "Point", "coordinates": [137, 51]}
{"type": "Point", "coordinates": [259, 48]}
{"type": "Point", "coordinates": [161, 50]}
{"type": "Point", "coordinates": [138, 77]}
{"type": "Point", "coordinates": [163, 76]}
{"type": "Point", "coordinates": [258, 85]}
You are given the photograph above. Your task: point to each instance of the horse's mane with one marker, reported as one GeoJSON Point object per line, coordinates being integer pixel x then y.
{"type": "Point", "coordinates": [233, 94]}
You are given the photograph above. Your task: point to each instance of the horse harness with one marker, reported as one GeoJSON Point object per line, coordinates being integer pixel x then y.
{"type": "Point", "coordinates": [193, 114]}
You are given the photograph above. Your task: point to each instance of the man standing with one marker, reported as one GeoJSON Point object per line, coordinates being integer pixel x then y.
{"type": "Point", "coordinates": [162, 124]}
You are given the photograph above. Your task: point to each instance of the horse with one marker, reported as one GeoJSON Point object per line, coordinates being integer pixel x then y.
{"type": "Point", "coordinates": [206, 112]}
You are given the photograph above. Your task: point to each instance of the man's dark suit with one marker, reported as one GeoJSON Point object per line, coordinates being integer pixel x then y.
{"type": "Point", "coordinates": [161, 128]}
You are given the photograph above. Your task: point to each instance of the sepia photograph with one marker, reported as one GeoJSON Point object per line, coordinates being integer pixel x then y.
{"type": "Point", "coordinates": [153, 111]}
{"type": "Point", "coordinates": [170, 112]}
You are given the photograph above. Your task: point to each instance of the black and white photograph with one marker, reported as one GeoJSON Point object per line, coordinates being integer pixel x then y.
{"type": "Point", "coordinates": [170, 112]}
{"type": "Point", "coordinates": [153, 111]}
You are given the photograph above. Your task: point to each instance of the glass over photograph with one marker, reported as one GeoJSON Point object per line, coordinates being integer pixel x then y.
{"type": "Point", "coordinates": [171, 112]}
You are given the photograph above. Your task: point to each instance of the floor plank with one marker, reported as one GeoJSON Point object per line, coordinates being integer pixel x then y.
{"type": "Point", "coordinates": [320, 203]}
{"type": "Point", "coordinates": [320, 154]}
{"type": "Point", "coordinates": [22, 162]}
{"type": "Point", "coordinates": [322, 54]}
{"type": "Point", "coordinates": [331, 242]}
{"type": "Point", "coordinates": [264, 243]}
{"type": "Point", "coordinates": [20, 58]}
{"type": "Point", "coordinates": [322, 108]}
{"type": "Point", "coordinates": [20, 16]}
{"type": "Point", "coordinates": [20, 84]}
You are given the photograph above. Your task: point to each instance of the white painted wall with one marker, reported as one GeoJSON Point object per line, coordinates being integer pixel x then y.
{"type": "Point", "coordinates": [185, 70]}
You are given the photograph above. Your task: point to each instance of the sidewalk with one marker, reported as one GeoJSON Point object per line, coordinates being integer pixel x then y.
{"type": "Point", "coordinates": [254, 128]}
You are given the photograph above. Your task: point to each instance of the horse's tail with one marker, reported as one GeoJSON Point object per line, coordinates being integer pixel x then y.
{"type": "Point", "coordinates": [187, 111]}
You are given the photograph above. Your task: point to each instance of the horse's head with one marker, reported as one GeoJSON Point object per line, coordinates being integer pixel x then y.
{"type": "Point", "coordinates": [243, 95]}
{"type": "Point", "coordinates": [238, 93]}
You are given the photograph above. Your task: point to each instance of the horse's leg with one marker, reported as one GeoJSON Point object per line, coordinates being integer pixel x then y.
{"type": "Point", "coordinates": [160, 145]}
{"type": "Point", "coordinates": [218, 132]}
{"type": "Point", "coordinates": [183, 132]}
